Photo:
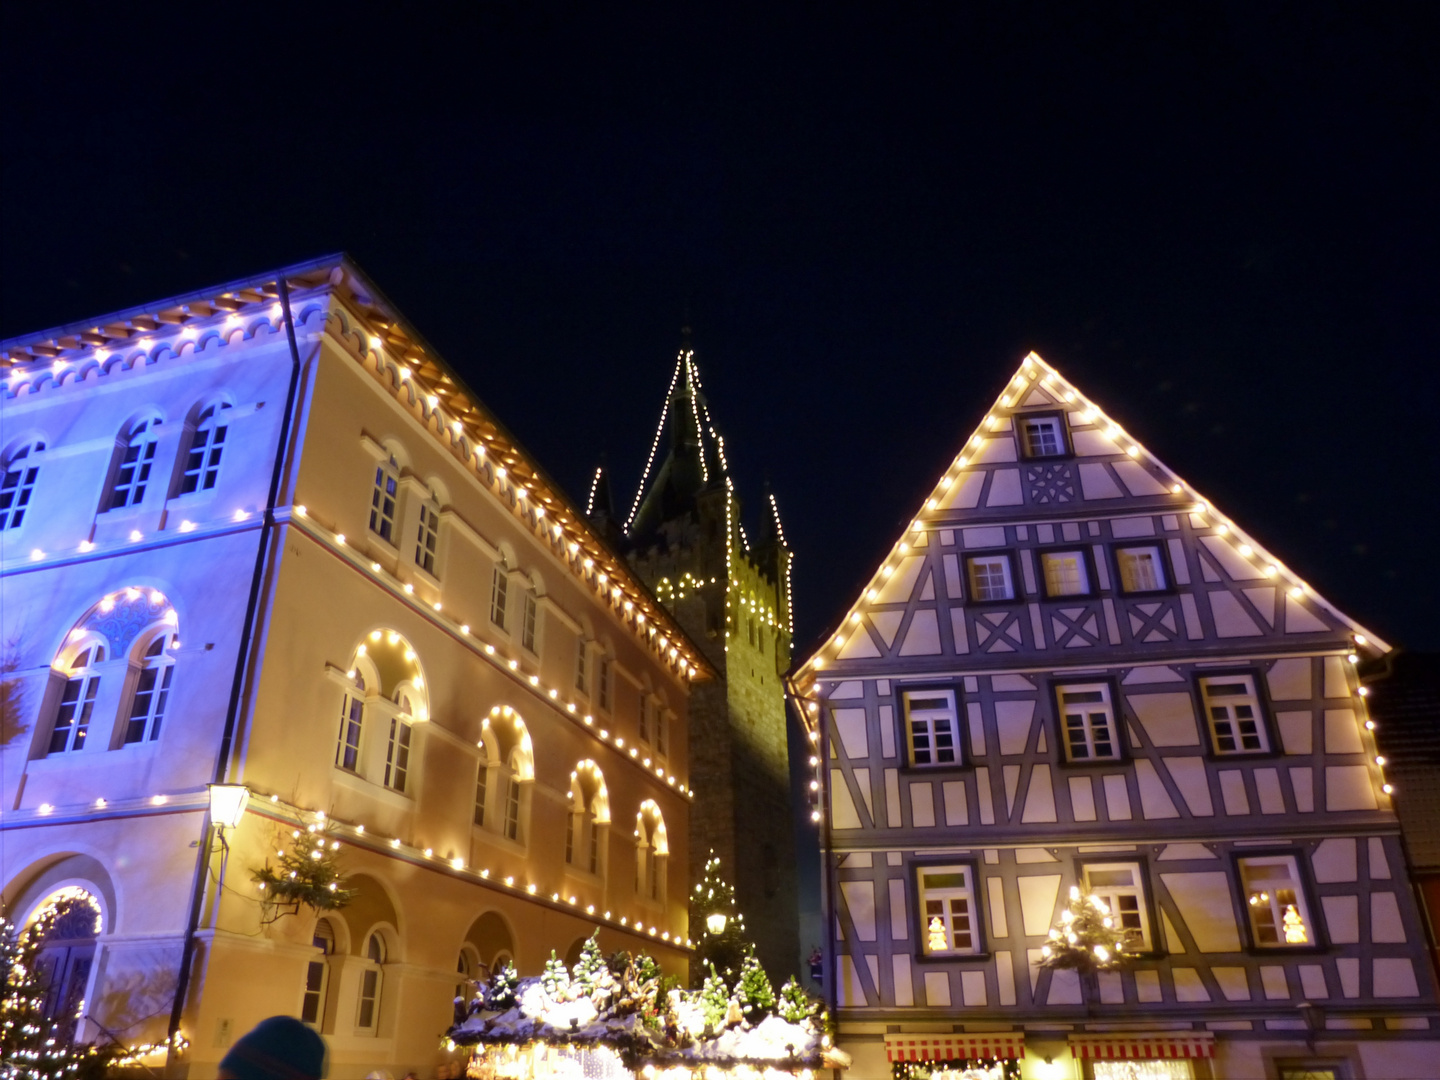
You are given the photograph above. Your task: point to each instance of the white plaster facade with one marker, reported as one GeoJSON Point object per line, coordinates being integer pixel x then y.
{"type": "Point", "coordinates": [582, 824]}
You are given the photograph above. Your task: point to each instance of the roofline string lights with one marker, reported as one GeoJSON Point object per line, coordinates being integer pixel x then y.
{"type": "Point", "coordinates": [1032, 369]}
{"type": "Point", "coordinates": [655, 443]}
{"type": "Point", "coordinates": [193, 322]}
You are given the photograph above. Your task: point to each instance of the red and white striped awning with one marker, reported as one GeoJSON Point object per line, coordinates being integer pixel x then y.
{"type": "Point", "coordinates": [955, 1047]}
{"type": "Point", "coordinates": [1199, 1044]}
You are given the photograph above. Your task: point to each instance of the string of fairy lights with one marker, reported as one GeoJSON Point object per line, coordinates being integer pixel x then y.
{"type": "Point", "coordinates": [197, 326]}
{"type": "Point", "coordinates": [1035, 372]}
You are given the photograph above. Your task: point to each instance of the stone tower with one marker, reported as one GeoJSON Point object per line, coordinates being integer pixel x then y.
{"type": "Point", "coordinates": [684, 538]}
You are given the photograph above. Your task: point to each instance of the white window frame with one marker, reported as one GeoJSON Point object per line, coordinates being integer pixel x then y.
{"type": "Point", "coordinates": [128, 488]}
{"type": "Point", "coordinates": [935, 721]}
{"type": "Point", "coordinates": [530, 621]}
{"type": "Point", "coordinates": [371, 965]}
{"type": "Point", "coordinates": [1261, 895]}
{"type": "Point", "coordinates": [151, 693]}
{"type": "Point", "coordinates": [499, 596]}
{"type": "Point", "coordinates": [662, 731]}
{"type": "Point", "coordinates": [1082, 574]}
{"type": "Point", "coordinates": [350, 741]}
{"type": "Point", "coordinates": [582, 666]}
{"type": "Point", "coordinates": [1086, 712]}
{"type": "Point", "coordinates": [427, 538]}
{"type": "Point", "coordinates": [1000, 558]}
{"type": "Point", "coordinates": [605, 692]}
{"type": "Point", "coordinates": [1056, 426]}
{"type": "Point", "coordinates": [17, 484]}
{"type": "Point", "coordinates": [512, 824]}
{"type": "Point", "coordinates": [205, 450]}
{"type": "Point", "coordinates": [1232, 725]}
{"type": "Point", "coordinates": [397, 754]}
{"type": "Point", "coordinates": [945, 895]}
{"type": "Point", "coordinates": [385, 500]}
{"type": "Point", "coordinates": [77, 720]}
{"type": "Point", "coordinates": [1114, 895]}
{"type": "Point", "coordinates": [318, 970]}
{"type": "Point", "coordinates": [1125, 570]}
{"type": "Point", "coordinates": [480, 815]}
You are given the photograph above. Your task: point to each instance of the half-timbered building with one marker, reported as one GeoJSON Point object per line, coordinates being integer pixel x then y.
{"type": "Point", "coordinates": [1073, 671]}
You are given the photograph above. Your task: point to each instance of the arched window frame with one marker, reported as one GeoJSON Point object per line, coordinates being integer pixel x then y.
{"type": "Point", "coordinates": [313, 1011]}
{"type": "Point", "coordinates": [652, 853]}
{"type": "Point", "coordinates": [587, 823]}
{"type": "Point", "coordinates": [350, 742]}
{"type": "Point", "coordinates": [516, 778]}
{"type": "Point", "coordinates": [204, 447]}
{"type": "Point", "coordinates": [18, 473]}
{"type": "Point", "coordinates": [148, 683]}
{"type": "Point", "coordinates": [73, 717]}
{"type": "Point", "coordinates": [487, 776]}
{"type": "Point", "coordinates": [371, 984]}
{"type": "Point", "coordinates": [134, 459]}
{"type": "Point", "coordinates": [398, 770]}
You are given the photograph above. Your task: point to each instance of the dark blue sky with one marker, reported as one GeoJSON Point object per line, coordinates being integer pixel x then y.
{"type": "Point", "coordinates": [1219, 219]}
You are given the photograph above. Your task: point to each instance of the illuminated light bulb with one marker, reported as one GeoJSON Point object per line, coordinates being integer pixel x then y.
{"type": "Point", "coordinates": [185, 527]}
{"type": "Point", "coordinates": [240, 515]}
{"type": "Point", "coordinates": [358, 828]}
{"type": "Point", "coordinates": [136, 534]}
{"type": "Point", "coordinates": [1221, 529]}
{"type": "Point", "coordinates": [456, 426]}
{"type": "Point", "coordinates": [961, 462]}
{"type": "Point", "coordinates": [839, 640]}
{"type": "Point", "coordinates": [457, 863]}
{"type": "Point", "coordinates": [86, 545]}
{"type": "Point", "coordinates": [375, 343]}
{"type": "Point", "coordinates": [1388, 789]}
{"type": "Point", "coordinates": [362, 648]}
{"type": "Point", "coordinates": [1174, 489]}
{"type": "Point", "coordinates": [1133, 451]}
{"type": "Point", "coordinates": [395, 843]}
{"type": "Point", "coordinates": [1247, 550]}
{"type": "Point", "coordinates": [1379, 759]}
{"type": "Point", "coordinates": [44, 808]}
{"type": "Point", "coordinates": [375, 566]}
{"type": "Point", "coordinates": [855, 617]}
{"type": "Point", "coordinates": [534, 680]}
{"type": "Point", "coordinates": [1364, 691]}
{"type": "Point", "coordinates": [530, 889]}
{"type": "Point", "coordinates": [1271, 570]}
{"type": "Point", "coordinates": [1198, 508]}
{"type": "Point", "coordinates": [1297, 592]}
{"type": "Point", "coordinates": [159, 800]}
{"type": "Point", "coordinates": [432, 400]}
{"type": "Point", "coordinates": [1088, 416]}
{"type": "Point", "coordinates": [404, 373]}
{"type": "Point", "coordinates": [300, 510]}
{"type": "Point", "coordinates": [589, 720]}
{"type": "Point", "coordinates": [887, 571]}
{"type": "Point", "coordinates": [409, 589]}
{"type": "Point", "coordinates": [871, 594]}
{"type": "Point", "coordinates": [904, 548]}
{"type": "Point", "coordinates": [100, 804]}
{"type": "Point", "coordinates": [429, 852]}
{"type": "Point", "coordinates": [436, 605]}
{"type": "Point", "coordinates": [1353, 658]}
{"type": "Point", "coordinates": [340, 539]}
{"type": "Point", "coordinates": [1369, 725]}
{"type": "Point", "coordinates": [1361, 639]}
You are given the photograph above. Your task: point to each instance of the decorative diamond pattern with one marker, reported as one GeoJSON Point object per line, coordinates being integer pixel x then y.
{"type": "Point", "coordinates": [1076, 627]}
{"type": "Point", "coordinates": [1154, 622]}
{"type": "Point", "coordinates": [1051, 483]}
{"type": "Point", "coordinates": [998, 631]}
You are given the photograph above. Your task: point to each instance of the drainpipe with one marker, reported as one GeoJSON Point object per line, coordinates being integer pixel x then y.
{"type": "Point", "coordinates": [242, 658]}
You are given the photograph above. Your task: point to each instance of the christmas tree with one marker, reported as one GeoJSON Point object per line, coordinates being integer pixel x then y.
{"type": "Point", "coordinates": [500, 991]}
{"type": "Point", "coordinates": [309, 874]}
{"type": "Point", "coordinates": [712, 907]}
{"type": "Point", "coordinates": [1088, 939]}
{"type": "Point", "coordinates": [795, 1004]}
{"type": "Point", "coordinates": [715, 1000]}
{"type": "Point", "coordinates": [753, 992]}
{"type": "Point", "coordinates": [555, 980]}
{"type": "Point", "coordinates": [592, 975]}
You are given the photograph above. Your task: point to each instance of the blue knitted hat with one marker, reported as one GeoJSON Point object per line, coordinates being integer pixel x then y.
{"type": "Point", "coordinates": [280, 1048]}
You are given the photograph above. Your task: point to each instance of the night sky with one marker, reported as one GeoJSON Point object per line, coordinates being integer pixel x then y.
{"type": "Point", "coordinates": [1219, 220]}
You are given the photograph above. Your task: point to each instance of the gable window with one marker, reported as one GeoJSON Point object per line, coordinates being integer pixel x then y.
{"type": "Point", "coordinates": [367, 1016]}
{"type": "Point", "coordinates": [990, 577]}
{"type": "Point", "coordinates": [1122, 887]}
{"type": "Point", "coordinates": [931, 727]}
{"type": "Point", "coordinates": [530, 616]}
{"type": "Point", "coordinates": [1232, 711]}
{"type": "Point", "coordinates": [1065, 573]}
{"type": "Point", "coordinates": [77, 702]}
{"type": "Point", "coordinates": [17, 484]}
{"type": "Point", "coordinates": [1087, 719]}
{"type": "Point", "coordinates": [397, 751]}
{"type": "Point", "coordinates": [1275, 902]}
{"type": "Point", "coordinates": [202, 460]}
{"type": "Point", "coordinates": [132, 472]}
{"type": "Point", "coordinates": [312, 1005]}
{"type": "Point", "coordinates": [383, 499]}
{"type": "Point", "coordinates": [427, 537]}
{"type": "Point", "coordinates": [152, 690]}
{"type": "Point", "coordinates": [1042, 436]}
{"type": "Point", "coordinates": [352, 718]}
{"type": "Point", "coordinates": [947, 905]}
{"type": "Point", "coordinates": [1142, 568]}
{"type": "Point", "coordinates": [582, 666]}
{"type": "Point", "coordinates": [499, 593]}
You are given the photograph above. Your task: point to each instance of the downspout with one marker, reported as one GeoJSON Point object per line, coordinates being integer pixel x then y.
{"type": "Point", "coordinates": [242, 659]}
{"type": "Point", "coordinates": [828, 982]}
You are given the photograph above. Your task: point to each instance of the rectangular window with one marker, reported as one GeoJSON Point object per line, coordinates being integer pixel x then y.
{"type": "Point", "coordinates": [527, 625]}
{"type": "Point", "coordinates": [931, 727]}
{"type": "Point", "coordinates": [1232, 710]}
{"type": "Point", "coordinates": [72, 722]}
{"type": "Point", "coordinates": [1275, 902]}
{"type": "Point", "coordinates": [947, 902]}
{"type": "Point", "coordinates": [369, 998]}
{"type": "Point", "coordinates": [1042, 436]}
{"type": "Point", "coordinates": [990, 577]}
{"type": "Point", "coordinates": [604, 689]}
{"type": "Point", "coordinates": [594, 857]}
{"type": "Point", "coordinates": [646, 711]}
{"type": "Point", "coordinates": [499, 590]}
{"type": "Point", "coordinates": [662, 732]}
{"type": "Point", "coordinates": [512, 808]}
{"type": "Point", "coordinates": [207, 444]}
{"type": "Point", "coordinates": [382, 502]}
{"type": "Point", "coordinates": [133, 474]}
{"type": "Point", "coordinates": [314, 993]}
{"type": "Point", "coordinates": [352, 713]}
{"type": "Point", "coordinates": [482, 786]}
{"type": "Point", "coordinates": [1141, 569]}
{"type": "Point", "coordinates": [1122, 887]}
{"type": "Point", "coordinates": [397, 754]}
{"type": "Point", "coordinates": [147, 711]}
{"type": "Point", "coordinates": [582, 666]}
{"type": "Point", "coordinates": [1065, 573]}
{"type": "Point", "coordinates": [17, 485]}
{"type": "Point", "coordinates": [427, 539]}
{"type": "Point", "coordinates": [1087, 719]}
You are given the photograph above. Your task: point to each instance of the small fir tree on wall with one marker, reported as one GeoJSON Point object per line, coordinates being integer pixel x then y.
{"type": "Point", "coordinates": [309, 873]}
{"type": "Point", "coordinates": [1088, 938]}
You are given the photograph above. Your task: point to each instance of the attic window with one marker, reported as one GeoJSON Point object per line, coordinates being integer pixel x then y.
{"type": "Point", "coordinates": [1042, 436]}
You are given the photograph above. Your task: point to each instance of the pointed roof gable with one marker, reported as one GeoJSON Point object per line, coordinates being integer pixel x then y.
{"type": "Point", "coordinates": [694, 458]}
{"type": "Point", "coordinates": [1046, 452]}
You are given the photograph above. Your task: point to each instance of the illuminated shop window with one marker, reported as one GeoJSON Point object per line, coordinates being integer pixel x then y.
{"type": "Point", "coordinates": [1162, 1069]}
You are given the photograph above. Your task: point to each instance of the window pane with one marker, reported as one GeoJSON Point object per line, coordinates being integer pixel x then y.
{"type": "Point", "coordinates": [1065, 574]}
{"type": "Point", "coordinates": [1140, 569]}
{"type": "Point", "coordinates": [990, 578]}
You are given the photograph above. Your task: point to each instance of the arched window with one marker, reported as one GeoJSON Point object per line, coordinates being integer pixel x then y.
{"type": "Point", "coordinates": [367, 1016]}
{"type": "Point", "coordinates": [397, 751]}
{"type": "Point", "coordinates": [152, 690]}
{"type": "Point", "coordinates": [207, 443]}
{"type": "Point", "coordinates": [384, 498]}
{"type": "Point", "coordinates": [66, 954]}
{"type": "Point", "coordinates": [506, 739]}
{"type": "Point", "coordinates": [427, 535]}
{"type": "Point", "coordinates": [652, 852]}
{"type": "Point", "coordinates": [489, 760]}
{"type": "Point", "coordinates": [132, 469]}
{"type": "Point", "coordinates": [585, 830]}
{"type": "Point", "coordinates": [20, 470]}
{"type": "Point", "coordinates": [77, 700]}
{"type": "Point", "coordinates": [352, 721]}
{"type": "Point", "coordinates": [317, 975]}
{"type": "Point", "coordinates": [512, 798]}
{"type": "Point", "coordinates": [530, 617]}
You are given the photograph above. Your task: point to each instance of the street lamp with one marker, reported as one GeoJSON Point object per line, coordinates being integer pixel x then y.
{"type": "Point", "coordinates": [227, 804]}
{"type": "Point", "coordinates": [715, 923]}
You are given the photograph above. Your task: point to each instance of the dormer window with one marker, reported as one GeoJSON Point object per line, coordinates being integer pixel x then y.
{"type": "Point", "coordinates": [1042, 436]}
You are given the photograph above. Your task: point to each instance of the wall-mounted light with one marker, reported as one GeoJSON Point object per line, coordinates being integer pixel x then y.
{"type": "Point", "coordinates": [227, 804]}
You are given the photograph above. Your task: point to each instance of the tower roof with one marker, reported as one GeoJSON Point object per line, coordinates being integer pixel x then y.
{"type": "Point", "coordinates": [694, 452]}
